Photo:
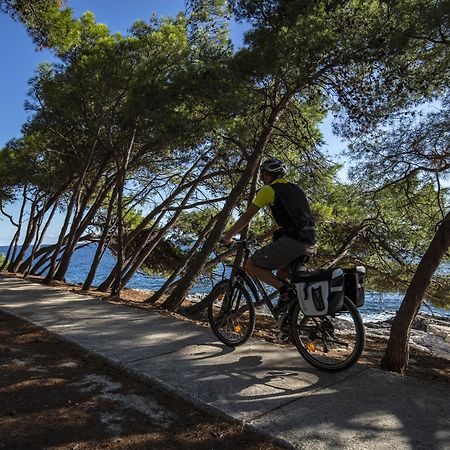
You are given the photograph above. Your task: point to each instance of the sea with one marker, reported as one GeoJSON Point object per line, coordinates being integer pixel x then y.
{"type": "Point", "coordinates": [378, 307]}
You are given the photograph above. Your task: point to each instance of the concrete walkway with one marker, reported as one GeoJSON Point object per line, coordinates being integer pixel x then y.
{"type": "Point", "coordinates": [263, 385]}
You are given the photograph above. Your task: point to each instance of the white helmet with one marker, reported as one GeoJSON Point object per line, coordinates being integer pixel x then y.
{"type": "Point", "coordinates": [273, 167]}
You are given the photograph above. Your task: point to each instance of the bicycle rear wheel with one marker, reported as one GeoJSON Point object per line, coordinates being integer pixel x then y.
{"type": "Point", "coordinates": [331, 342]}
{"type": "Point", "coordinates": [231, 313]}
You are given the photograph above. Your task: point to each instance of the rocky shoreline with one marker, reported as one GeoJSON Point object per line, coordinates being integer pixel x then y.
{"type": "Point", "coordinates": [429, 334]}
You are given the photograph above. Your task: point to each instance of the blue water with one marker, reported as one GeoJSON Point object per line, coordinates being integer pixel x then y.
{"type": "Point", "coordinates": [378, 306]}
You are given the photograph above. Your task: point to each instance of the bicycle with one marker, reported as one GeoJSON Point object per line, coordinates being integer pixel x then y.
{"type": "Point", "coordinates": [330, 342]}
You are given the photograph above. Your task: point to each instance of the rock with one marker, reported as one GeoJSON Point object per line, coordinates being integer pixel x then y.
{"type": "Point", "coordinates": [429, 334]}
{"type": "Point", "coordinates": [439, 330]}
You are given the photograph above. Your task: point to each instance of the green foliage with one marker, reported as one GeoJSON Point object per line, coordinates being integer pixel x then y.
{"type": "Point", "coordinates": [190, 225]}
{"type": "Point", "coordinates": [366, 54]}
{"type": "Point", "coordinates": [48, 25]}
{"type": "Point", "coordinates": [405, 162]}
{"type": "Point", "coordinates": [392, 230]}
{"type": "Point", "coordinates": [415, 145]}
{"type": "Point", "coordinates": [165, 258]}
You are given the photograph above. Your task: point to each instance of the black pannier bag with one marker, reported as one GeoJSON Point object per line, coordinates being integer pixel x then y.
{"type": "Point", "coordinates": [320, 292]}
{"type": "Point", "coordinates": [354, 285]}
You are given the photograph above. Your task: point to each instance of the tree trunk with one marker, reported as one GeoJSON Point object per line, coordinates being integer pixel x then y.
{"type": "Point", "coordinates": [149, 247]}
{"type": "Point", "coordinates": [36, 241]}
{"type": "Point", "coordinates": [101, 245]}
{"type": "Point", "coordinates": [107, 283]}
{"type": "Point", "coordinates": [397, 352]}
{"type": "Point", "coordinates": [167, 201]}
{"type": "Point", "coordinates": [117, 285]}
{"type": "Point", "coordinates": [10, 253]}
{"type": "Point", "coordinates": [26, 266]}
{"type": "Point", "coordinates": [29, 236]}
{"type": "Point", "coordinates": [160, 209]}
{"type": "Point", "coordinates": [158, 294]}
{"type": "Point", "coordinates": [33, 220]}
{"type": "Point", "coordinates": [43, 255]}
{"type": "Point", "coordinates": [209, 265]}
{"type": "Point", "coordinates": [184, 285]}
{"type": "Point", "coordinates": [202, 304]}
{"type": "Point", "coordinates": [143, 255]}
{"type": "Point", "coordinates": [74, 235]}
{"type": "Point", "coordinates": [62, 234]}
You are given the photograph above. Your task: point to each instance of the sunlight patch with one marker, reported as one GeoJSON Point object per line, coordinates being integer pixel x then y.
{"type": "Point", "coordinates": [108, 391]}
{"type": "Point", "coordinates": [379, 421]}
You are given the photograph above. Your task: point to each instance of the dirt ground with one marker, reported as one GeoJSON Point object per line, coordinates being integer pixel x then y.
{"type": "Point", "coordinates": [54, 396]}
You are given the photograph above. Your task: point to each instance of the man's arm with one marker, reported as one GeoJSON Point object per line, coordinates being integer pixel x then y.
{"type": "Point", "coordinates": [240, 223]}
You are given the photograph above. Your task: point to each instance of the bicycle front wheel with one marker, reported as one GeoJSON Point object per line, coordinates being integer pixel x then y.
{"type": "Point", "coordinates": [331, 342]}
{"type": "Point", "coordinates": [231, 313]}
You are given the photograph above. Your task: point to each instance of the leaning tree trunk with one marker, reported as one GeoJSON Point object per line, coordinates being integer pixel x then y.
{"type": "Point", "coordinates": [62, 234]}
{"type": "Point", "coordinates": [29, 236]}
{"type": "Point", "coordinates": [36, 241]}
{"type": "Point", "coordinates": [184, 285]}
{"type": "Point", "coordinates": [74, 236]}
{"type": "Point", "coordinates": [122, 167]}
{"type": "Point", "coordinates": [108, 281]}
{"type": "Point", "coordinates": [117, 284]}
{"type": "Point", "coordinates": [148, 248]}
{"type": "Point", "coordinates": [159, 211]}
{"type": "Point", "coordinates": [41, 257]}
{"type": "Point", "coordinates": [101, 245]}
{"type": "Point", "coordinates": [177, 296]}
{"type": "Point", "coordinates": [10, 255]}
{"type": "Point", "coordinates": [25, 267]}
{"type": "Point", "coordinates": [397, 351]}
{"type": "Point", "coordinates": [208, 266]}
{"type": "Point", "coordinates": [32, 224]}
{"type": "Point", "coordinates": [202, 304]}
{"type": "Point", "coordinates": [161, 291]}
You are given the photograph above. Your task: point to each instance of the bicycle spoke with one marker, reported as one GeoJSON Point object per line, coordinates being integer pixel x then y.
{"type": "Point", "coordinates": [332, 342]}
{"type": "Point", "coordinates": [231, 313]}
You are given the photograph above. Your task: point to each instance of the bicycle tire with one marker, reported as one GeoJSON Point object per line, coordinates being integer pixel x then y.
{"type": "Point", "coordinates": [234, 326]}
{"type": "Point", "coordinates": [331, 342]}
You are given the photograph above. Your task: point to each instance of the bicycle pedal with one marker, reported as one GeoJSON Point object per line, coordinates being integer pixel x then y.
{"type": "Point", "coordinates": [283, 337]}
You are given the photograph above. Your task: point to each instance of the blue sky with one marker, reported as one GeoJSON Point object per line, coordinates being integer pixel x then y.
{"type": "Point", "coordinates": [19, 60]}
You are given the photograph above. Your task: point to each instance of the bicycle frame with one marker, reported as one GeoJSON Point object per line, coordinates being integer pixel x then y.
{"type": "Point", "coordinates": [255, 286]}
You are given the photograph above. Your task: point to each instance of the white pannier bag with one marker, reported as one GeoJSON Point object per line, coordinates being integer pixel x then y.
{"type": "Point", "coordinates": [320, 292]}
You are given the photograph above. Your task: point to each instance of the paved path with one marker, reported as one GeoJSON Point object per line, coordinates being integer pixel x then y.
{"type": "Point", "coordinates": [267, 387]}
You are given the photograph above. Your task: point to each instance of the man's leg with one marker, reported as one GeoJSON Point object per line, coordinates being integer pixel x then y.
{"type": "Point", "coordinates": [265, 275]}
{"type": "Point", "coordinates": [276, 256]}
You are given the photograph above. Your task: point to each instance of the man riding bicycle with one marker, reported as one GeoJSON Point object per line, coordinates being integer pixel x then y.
{"type": "Point", "coordinates": [294, 233]}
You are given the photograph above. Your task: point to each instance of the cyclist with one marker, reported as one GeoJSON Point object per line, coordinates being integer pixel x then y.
{"type": "Point", "coordinates": [294, 232]}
